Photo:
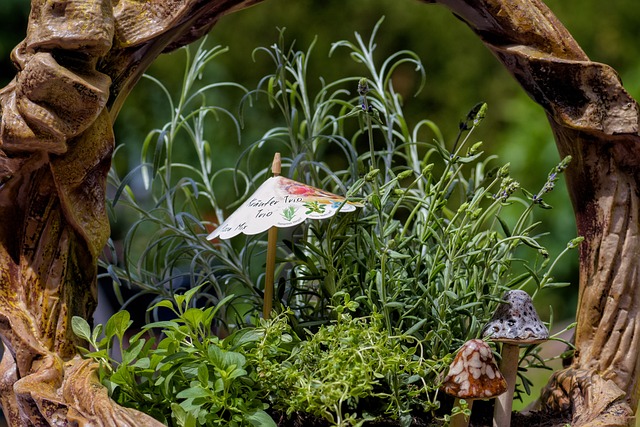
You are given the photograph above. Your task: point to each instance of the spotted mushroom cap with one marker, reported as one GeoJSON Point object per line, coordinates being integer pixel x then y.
{"type": "Point", "coordinates": [516, 321]}
{"type": "Point", "coordinates": [474, 373]}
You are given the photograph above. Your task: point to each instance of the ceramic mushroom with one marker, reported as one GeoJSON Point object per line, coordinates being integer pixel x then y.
{"type": "Point", "coordinates": [473, 375]}
{"type": "Point", "coordinates": [514, 323]}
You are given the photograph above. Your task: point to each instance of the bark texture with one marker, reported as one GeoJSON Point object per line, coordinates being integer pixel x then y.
{"type": "Point", "coordinates": [82, 57]}
{"type": "Point", "coordinates": [596, 121]}
{"type": "Point", "coordinates": [76, 65]}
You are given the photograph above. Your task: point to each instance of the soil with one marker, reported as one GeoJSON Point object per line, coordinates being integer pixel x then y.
{"type": "Point", "coordinates": [482, 417]}
{"type": "Point", "coordinates": [518, 420]}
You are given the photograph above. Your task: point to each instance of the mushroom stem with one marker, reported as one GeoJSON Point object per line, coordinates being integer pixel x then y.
{"type": "Point", "coordinates": [459, 419]}
{"type": "Point", "coordinates": [509, 368]}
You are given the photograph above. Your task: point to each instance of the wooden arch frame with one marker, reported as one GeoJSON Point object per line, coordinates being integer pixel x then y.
{"type": "Point", "coordinates": [56, 143]}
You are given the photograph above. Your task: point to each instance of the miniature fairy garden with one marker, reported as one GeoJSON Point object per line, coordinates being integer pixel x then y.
{"type": "Point", "coordinates": [397, 290]}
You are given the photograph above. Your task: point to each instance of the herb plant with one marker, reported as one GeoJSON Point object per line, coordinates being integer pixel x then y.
{"type": "Point", "coordinates": [188, 379]}
{"type": "Point", "coordinates": [385, 294]}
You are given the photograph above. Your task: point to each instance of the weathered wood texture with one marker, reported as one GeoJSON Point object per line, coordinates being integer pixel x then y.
{"type": "Point", "coordinates": [79, 60]}
{"type": "Point", "coordinates": [596, 122]}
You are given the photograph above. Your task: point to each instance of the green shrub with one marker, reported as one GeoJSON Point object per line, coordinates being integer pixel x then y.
{"type": "Point", "coordinates": [188, 379]}
{"type": "Point", "coordinates": [444, 231]}
{"type": "Point", "coordinates": [194, 378]}
{"type": "Point", "coordinates": [350, 371]}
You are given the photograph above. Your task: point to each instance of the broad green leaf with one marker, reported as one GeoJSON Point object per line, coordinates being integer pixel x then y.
{"type": "Point", "coordinates": [193, 392]}
{"type": "Point", "coordinates": [123, 377]}
{"type": "Point", "coordinates": [245, 336]}
{"type": "Point", "coordinates": [237, 372]}
{"type": "Point", "coordinates": [142, 363]}
{"type": "Point", "coordinates": [81, 328]}
{"type": "Point", "coordinates": [182, 417]}
{"type": "Point", "coordinates": [260, 418]}
{"type": "Point", "coordinates": [193, 316]}
{"type": "Point", "coordinates": [231, 358]}
{"type": "Point", "coordinates": [190, 293]}
{"type": "Point", "coordinates": [203, 375]}
{"type": "Point", "coordinates": [118, 324]}
{"type": "Point", "coordinates": [97, 331]}
{"type": "Point", "coordinates": [131, 353]}
{"type": "Point", "coordinates": [163, 303]}
{"type": "Point", "coordinates": [215, 356]}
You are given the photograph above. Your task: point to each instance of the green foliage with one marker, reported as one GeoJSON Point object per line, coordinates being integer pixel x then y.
{"type": "Point", "coordinates": [163, 250]}
{"type": "Point", "coordinates": [352, 370]}
{"type": "Point", "coordinates": [193, 378]}
{"type": "Point", "coordinates": [443, 232]}
{"type": "Point", "coordinates": [431, 250]}
{"type": "Point", "coordinates": [188, 379]}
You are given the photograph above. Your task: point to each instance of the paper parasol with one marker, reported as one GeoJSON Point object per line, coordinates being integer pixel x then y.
{"type": "Point", "coordinates": [278, 203]}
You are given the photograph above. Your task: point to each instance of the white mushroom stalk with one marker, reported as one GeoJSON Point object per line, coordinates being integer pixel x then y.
{"type": "Point", "coordinates": [472, 375]}
{"type": "Point", "coordinates": [514, 323]}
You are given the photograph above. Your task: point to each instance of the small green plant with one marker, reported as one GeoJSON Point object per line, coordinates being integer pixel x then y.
{"type": "Point", "coordinates": [351, 370]}
{"type": "Point", "coordinates": [188, 379]}
{"type": "Point", "coordinates": [164, 251]}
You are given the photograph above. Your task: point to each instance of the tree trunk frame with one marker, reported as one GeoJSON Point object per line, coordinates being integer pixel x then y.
{"type": "Point", "coordinates": [79, 61]}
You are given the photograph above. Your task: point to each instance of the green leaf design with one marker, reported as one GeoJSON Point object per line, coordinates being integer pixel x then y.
{"type": "Point", "coordinates": [314, 207]}
{"type": "Point", "coordinates": [289, 213]}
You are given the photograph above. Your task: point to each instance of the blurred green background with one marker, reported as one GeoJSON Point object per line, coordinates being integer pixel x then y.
{"type": "Point", "coordinates": [460, 73]}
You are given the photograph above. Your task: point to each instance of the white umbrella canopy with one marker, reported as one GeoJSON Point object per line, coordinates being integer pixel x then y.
{"type": "Point", "coordinates": [279, 203]}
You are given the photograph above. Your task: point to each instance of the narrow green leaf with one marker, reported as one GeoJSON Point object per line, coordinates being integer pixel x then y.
{"type": "Point", "coordinates": [505, 227]}
{"type": "Point", "coordinates": [554, 285]}
{"type": "Point", "coordinates": [394, 305]}
{"type": "Point", "coordinates": [416, 327]}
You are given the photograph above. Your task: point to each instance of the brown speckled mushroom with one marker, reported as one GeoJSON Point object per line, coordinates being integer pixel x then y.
{"type": "Point", "coordinates": [473, 375]}
{"type": "Point", "coordinates": [514, 323]}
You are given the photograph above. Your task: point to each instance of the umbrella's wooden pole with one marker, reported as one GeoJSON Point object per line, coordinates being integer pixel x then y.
{"type": "Point", "coordinates": [270, 271]}
{"type": "Point", "coordinates": [272, 241]}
